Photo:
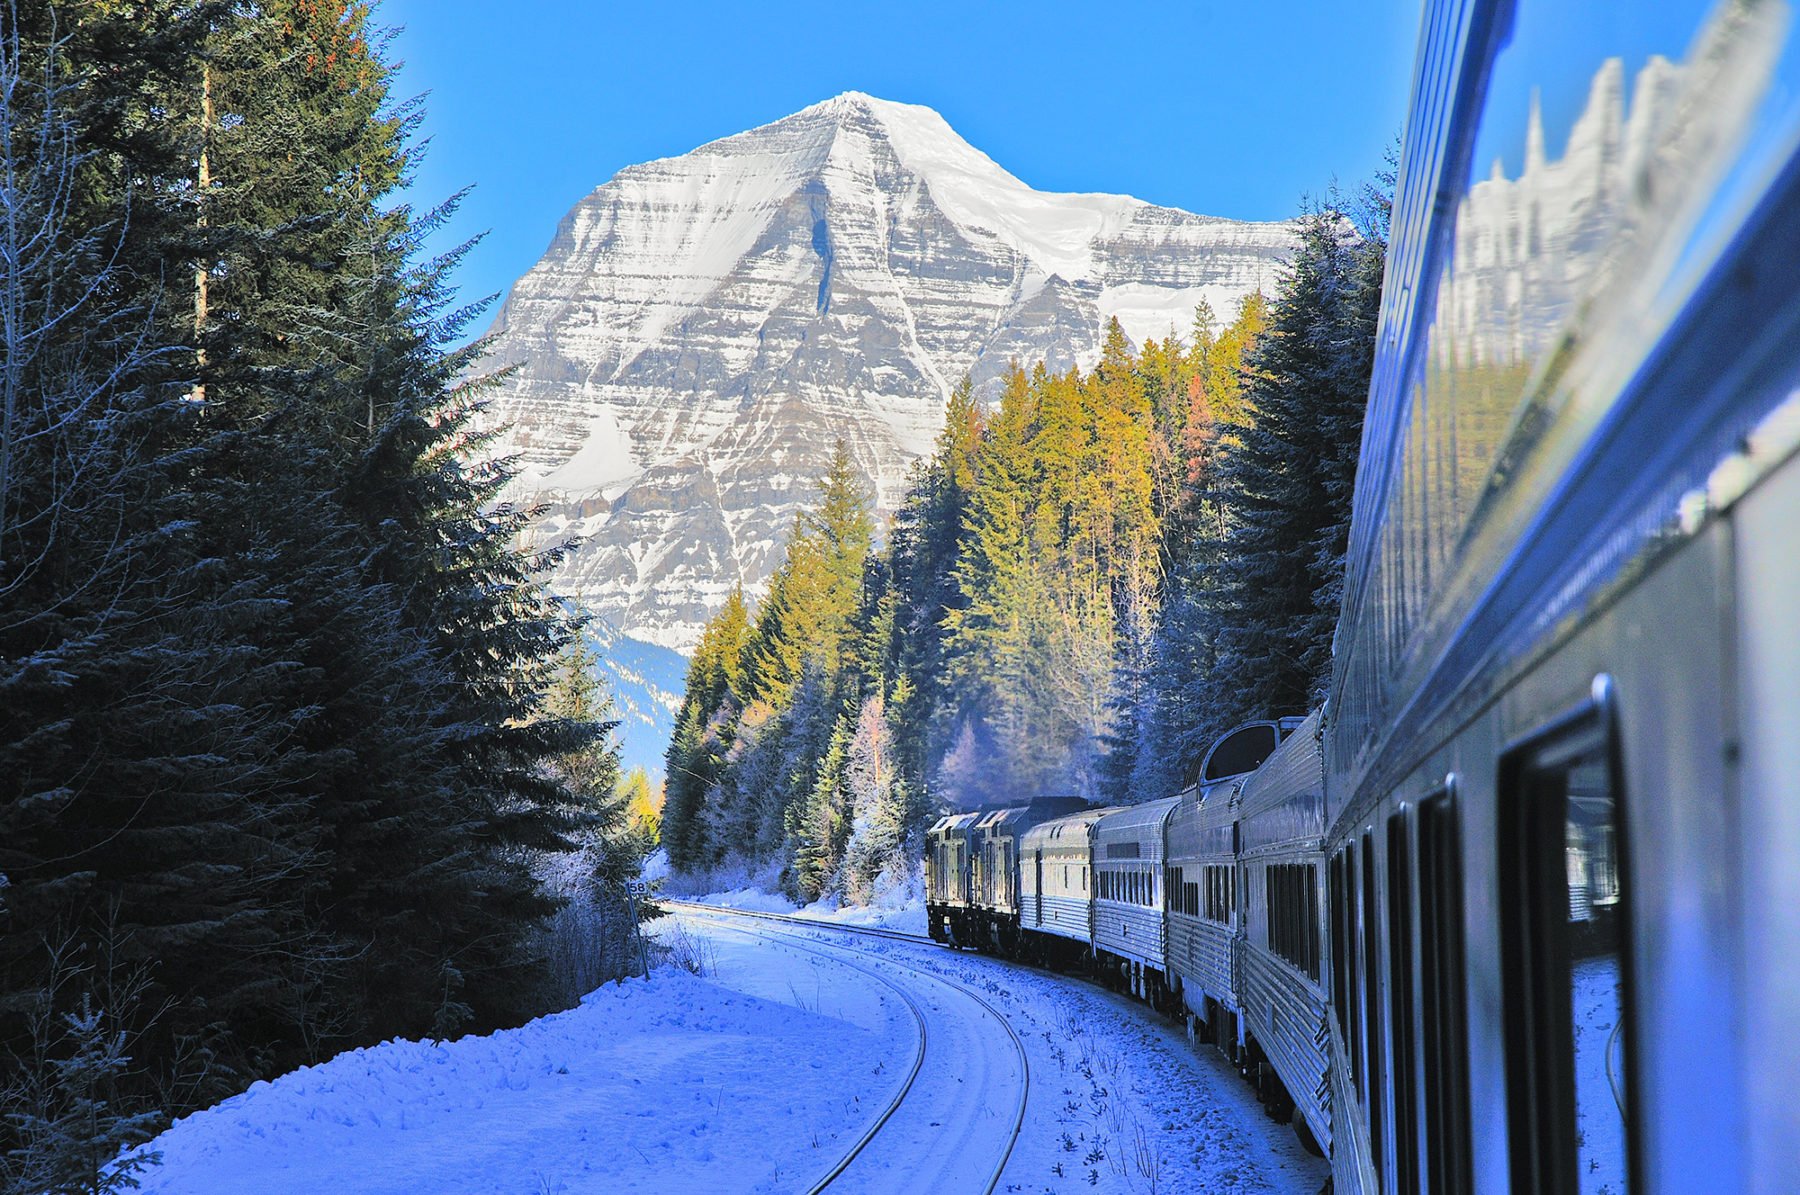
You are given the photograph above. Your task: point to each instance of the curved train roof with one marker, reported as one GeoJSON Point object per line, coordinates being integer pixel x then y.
{"type": "Point", "coordinates": [1283, 802]}
{"type": "Point", "coordinates": [1075, 825]}
{"type": "Point", "coordinates": [1133, 820]}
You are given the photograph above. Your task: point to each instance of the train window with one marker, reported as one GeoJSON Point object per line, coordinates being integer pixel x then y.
{"type": "Point", "coordinates": [1374, 1064]}
{"type": "Point", "coordinates": [1358, 1072]}
{"type": "Point", "coordinates": [1243, 750]}
{"type": "Point", "coordinates": [1293, 912]}
{"type": "Point", "coordinates": [1400, 1003]}
{"type": "Point", "coordinates": [1563, 881]}
{"type": "Point", "coordinates": [1441, 974]}
{"type": "Point", "coordinates": [1341, 945]}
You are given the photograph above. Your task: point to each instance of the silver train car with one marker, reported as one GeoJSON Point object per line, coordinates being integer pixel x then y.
{"type": "Point", "coordinates": [1130, 934]}
{"type": "Point", "coordinates": [1562, 849]}
{"type": "Point", "coordinates": [1202, 905]}
{"type": "Point", "coordinates": [1281, 845]}
{"type": "Point", "coordinates": [1056, 889]}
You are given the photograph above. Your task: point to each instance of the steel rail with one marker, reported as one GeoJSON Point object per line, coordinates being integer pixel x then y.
{"type": "Point", "coordinates": [918, 1060]}
{"type": "Point", "coordinates": [1018, 1044]}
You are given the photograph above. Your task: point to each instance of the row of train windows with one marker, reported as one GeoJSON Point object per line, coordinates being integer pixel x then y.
{"type": "Point", "coordinates": [1433, 1044]}
{"type": "Point", "coordinates": [1212, 896]}
{"type": "Point", "coordinates": [1134, 887]}
{"type": "Point", "coordinates": [1292, 894]}
{"type": "Point", "coordinates": [1562, 969]}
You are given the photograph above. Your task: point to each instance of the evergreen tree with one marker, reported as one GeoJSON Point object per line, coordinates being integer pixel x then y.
{"type": "Point", "coordinates": [704, 730]}
{"type": "Point", "coordinates": [271, 665]}
{"type": "Point", "coordinates": [1271, 590]}
{"type": "Point", "coordinates": [816, 591]}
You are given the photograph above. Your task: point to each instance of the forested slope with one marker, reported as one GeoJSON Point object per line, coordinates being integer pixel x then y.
{"type": "Point", "coordinates": [1087, 582]}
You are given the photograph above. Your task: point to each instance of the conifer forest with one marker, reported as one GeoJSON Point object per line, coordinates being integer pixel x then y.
{"type": "Point", "coordinates": [297, 753]}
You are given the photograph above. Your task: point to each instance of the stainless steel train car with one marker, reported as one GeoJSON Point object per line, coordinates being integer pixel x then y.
{"type": "Point", "coordinates": [1280, 851]}
{"type": "Point", "coordinates": [1201, 889]}
{"type": "Point", "coordinates": [1204, 913]}
{"type": "Point", "coordinates": [1563, 876]}
{"type": "Point", "coordinates": [1056, 889]}
{"type": "Point", "coordinates": [1129, 929]}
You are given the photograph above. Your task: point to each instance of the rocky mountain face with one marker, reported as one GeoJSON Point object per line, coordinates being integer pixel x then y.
{"type": "Point", "coordinates": [703, 328]}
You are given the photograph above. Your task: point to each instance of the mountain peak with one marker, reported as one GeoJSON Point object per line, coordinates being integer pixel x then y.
{"type": "Point", "coordinates": [705, 327]}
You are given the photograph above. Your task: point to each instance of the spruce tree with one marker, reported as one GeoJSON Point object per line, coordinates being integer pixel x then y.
{"type": "Point", "coordinates": [1271, 589]}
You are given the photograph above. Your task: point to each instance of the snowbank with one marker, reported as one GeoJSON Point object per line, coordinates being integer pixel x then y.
{"type": "Point", "coordinates": [674, 1083]}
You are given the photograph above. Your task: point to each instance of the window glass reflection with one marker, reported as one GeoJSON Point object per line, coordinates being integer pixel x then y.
{"type": "Point", "coordinates": [1596, 1001]}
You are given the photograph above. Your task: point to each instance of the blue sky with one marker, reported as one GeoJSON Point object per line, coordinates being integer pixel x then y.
{"type": "Point", "coordinates": [1233, 109]}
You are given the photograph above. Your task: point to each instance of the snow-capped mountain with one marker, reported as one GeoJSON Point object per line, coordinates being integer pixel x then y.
{"type": "Point", "coordinates": [704, 327]}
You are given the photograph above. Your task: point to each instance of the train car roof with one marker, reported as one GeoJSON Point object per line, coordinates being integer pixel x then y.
{"type": "Point", "coordinates": [1038, 809]}
{"type": "Point", "coordinates": [955, 821]}
{"type": "Point", "coordinates": [1133, 819]}
{"type": "Point", "coordinates": [1074, 825]}
{"type": "Point", "coordinates": [1284, 800]}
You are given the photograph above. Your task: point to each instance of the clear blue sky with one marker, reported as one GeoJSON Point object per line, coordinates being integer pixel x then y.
{"type": "Point", "coordinates": [1229, 109]}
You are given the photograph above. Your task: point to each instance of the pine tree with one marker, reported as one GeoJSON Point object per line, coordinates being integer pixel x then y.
{"type": "Point", "coordinates": [816, 591]}
{"type": "Point", "coordinates": [271, 662]}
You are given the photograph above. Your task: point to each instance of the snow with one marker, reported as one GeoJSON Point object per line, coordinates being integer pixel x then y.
{"type": "Point", "coordinates": [604, 463]}
{"type": "Point", "coordinates": [1599, 1075]}
{"type": "Point", "coordinates": [755, 1078]}
{"type": "Point", "coordinates": [904, 915]}
{"type": "Point", "coordinates": [675, 1083]}
{"type": "Point", "coordinates": [1056, 231]}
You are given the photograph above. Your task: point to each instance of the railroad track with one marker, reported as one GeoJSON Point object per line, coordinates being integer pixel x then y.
{"type": "Point", "coordinates": [812, 946]}
{"type": "Point", "coordinates": [867, 931]}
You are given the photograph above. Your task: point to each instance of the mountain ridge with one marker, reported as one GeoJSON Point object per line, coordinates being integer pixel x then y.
{"type": "Point", "coordinates": [703, 328]}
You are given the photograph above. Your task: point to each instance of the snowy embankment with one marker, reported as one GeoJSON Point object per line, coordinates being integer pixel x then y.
{"type": "Point", "coordinates": [752, 1079]}
{"type": "Point", "coordinates": [898, 903]}
{"type": "Point", "coordinates": [675, 1083]}
{"type": "Point", "coordinates": [905, 916]}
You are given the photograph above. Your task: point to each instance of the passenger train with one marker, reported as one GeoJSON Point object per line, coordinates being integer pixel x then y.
{"type": "Point", "coordinates": [1518, 909]}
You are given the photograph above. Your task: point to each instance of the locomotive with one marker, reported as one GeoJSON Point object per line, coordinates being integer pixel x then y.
{"type": "Point", "coordinates": [1518, 908]}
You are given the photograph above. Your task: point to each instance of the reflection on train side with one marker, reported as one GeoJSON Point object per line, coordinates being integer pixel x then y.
{"type": "Point", "coordinates": [1565, 245]}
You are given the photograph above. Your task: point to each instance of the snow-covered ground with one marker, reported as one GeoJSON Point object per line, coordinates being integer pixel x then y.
{"type": "Point", "coordinates": [755, 1078]}
{"type": "Point", "coordinates": [907, 916]}
{"type": "Point", "coordinates": [898, 904]}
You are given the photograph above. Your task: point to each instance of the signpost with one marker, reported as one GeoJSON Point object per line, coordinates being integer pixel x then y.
{"type": "Point", "coordinates": [634, 889]}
